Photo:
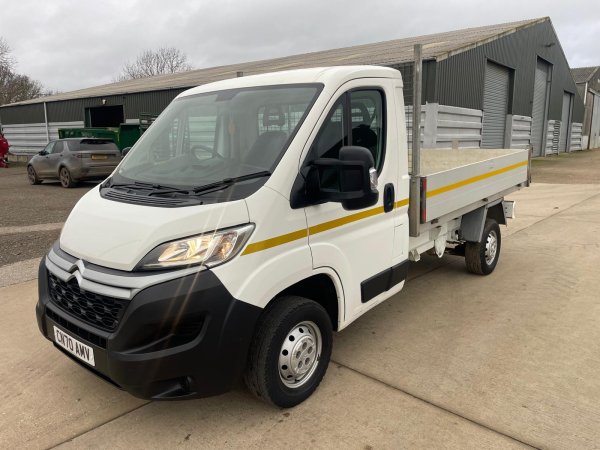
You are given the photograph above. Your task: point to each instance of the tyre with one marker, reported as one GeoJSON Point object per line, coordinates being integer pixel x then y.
{"type": "Point", "coordinates": [65, 178]}
{"type": "Point", "coordinates": [32, 176]}
{"type": "Point", "coordinates": [290, 352]}
{"type": "Point", "coordinates": [481, 257]}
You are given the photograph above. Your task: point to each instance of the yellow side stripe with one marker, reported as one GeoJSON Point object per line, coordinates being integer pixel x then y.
{"type": "Point", "coordinates": [475, 179]}
{"type": "Point", "coordinates": [345, 220]}
{"type": "Point", "coordinates": [274, 242]}
{"type": "Point", "coordinates": [315, 229]}
{"type": "Point", "coordinates": [325, 226]}
{"type": "Point", "coordinates": [401, 203]}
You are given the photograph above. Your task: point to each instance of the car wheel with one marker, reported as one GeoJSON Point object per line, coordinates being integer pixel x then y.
{"type": "Point", "coordinates": [290, 352]}
{"type": "Point", "coordinates": [481, 257]}
{"type": "Point", "coordinates": [32, 176]}
{"type": "Point", "coordinates": [65, 178]}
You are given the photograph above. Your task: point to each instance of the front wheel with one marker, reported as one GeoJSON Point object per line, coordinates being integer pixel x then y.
{"type": "Point", "coordinates": [66, 180]}
{"type": "Point", "coordinates": [481, 257]}
{"type": "Point", "coordinates": [290, 352]}
{"type": "Point", "coordinates": [32, 176]}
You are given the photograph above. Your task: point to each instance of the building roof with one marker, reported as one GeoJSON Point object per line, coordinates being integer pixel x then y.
{"type": "Point", "coordinates": [584, 74]}
{"type": "Point", "coordinates": [435, 46]}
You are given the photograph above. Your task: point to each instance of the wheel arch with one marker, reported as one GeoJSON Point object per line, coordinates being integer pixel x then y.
{"type": "Point", "coordinates": [323, 287]}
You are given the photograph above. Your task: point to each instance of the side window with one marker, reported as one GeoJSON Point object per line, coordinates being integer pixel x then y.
{"type": "Point", "coordinates": [368, 123]}
{"type": "Point", "coordinates": [58, 147]}
{"type": "Point", "coordinates": [361, 124]}
{"type": "Point", "coordinates": [333, 134]}
{"type": "Point", "coordinates": [49, 147]}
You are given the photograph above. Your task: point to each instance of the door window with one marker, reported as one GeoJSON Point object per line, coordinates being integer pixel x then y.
{"type": "Point", "coordinates": [58, 147]}
{"type": "Point", "coordinates": [333, 134]}
{"type": "Point", "coordinates": [48, 148]}
{"type": "Point", "coordinates": [362, 124]}
{"type": "Point", "coordinates": [367, 123]}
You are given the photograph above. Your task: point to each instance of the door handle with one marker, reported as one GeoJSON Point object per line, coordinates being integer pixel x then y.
{"type": "Point", "coordinates": [388, 197]}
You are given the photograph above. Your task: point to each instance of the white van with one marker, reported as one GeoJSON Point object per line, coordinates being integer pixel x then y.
{"type": "Point", "coordinates": [253, 219]}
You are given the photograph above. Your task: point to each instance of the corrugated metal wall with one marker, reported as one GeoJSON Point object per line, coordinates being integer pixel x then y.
{"type": "Point", "coordinates": [74, 110]}
{"type": "Point", "coordinates": [29, 139]}
{"type": "Point", "coordinates": [22, 114]}
{"type": "Point", "coordinates": [460, 78]}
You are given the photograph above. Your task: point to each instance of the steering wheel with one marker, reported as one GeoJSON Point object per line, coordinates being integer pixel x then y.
{"type": "Point", "coordinates": [199, 151]}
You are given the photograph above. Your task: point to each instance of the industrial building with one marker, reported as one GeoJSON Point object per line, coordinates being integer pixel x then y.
{"type": "Point", "coordinates": [588, 84]}
{"type": "Point", "coordinates": [506, 85]}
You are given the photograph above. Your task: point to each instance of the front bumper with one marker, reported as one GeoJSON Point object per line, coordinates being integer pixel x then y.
{"type": "Point", "coordinates": [183, 338]}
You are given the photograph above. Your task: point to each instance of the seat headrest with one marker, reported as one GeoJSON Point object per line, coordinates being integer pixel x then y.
{"type": "Point", "coordinates": [273, 115]}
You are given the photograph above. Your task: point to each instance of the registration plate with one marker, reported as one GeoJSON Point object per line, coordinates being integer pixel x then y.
{"type": "Point", "coordinates": [73, 346]}
{"type": "Point", "coordinates": [99, 156]}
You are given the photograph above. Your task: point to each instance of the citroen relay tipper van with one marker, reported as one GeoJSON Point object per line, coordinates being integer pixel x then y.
{"type": "Point", "coordinates": [255, 217]}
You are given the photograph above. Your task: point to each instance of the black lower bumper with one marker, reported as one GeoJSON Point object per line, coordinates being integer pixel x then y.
{"type": "Point", "coordinates": [184, 338]}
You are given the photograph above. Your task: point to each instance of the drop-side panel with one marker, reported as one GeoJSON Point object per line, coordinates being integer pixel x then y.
{"type": "Point", "coordinates": [453, 189]}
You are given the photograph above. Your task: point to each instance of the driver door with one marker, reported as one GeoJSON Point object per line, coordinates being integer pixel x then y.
{"type": "Point", "coordinates": [357, 244]}
{"type": "Point", "coordinates": [43, 165]}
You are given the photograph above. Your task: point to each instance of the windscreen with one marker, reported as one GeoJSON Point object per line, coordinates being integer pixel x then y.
{"type": "Point", "coordinates": [210, 137]}
{"type": "Point", "coordinates": [89, 144]}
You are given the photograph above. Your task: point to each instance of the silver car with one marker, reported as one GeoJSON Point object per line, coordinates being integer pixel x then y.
{"type": "Point", "coordinates": [74, 159]}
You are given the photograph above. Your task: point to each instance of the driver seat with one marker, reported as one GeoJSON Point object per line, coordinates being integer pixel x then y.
{"type": "Point", "coordinates": [269, 144]}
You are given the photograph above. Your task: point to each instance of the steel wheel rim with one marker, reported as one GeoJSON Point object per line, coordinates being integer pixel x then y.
{"type": "Point", "coordinates": [300, 354]}
{"type": "Point", "coordinates": [64, 177]}
{"type": "Point", "coordinates": [491, 247]}
{"type": "Point", "coordinates": [31, 174]}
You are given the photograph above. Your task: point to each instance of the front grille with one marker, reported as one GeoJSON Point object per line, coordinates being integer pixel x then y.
{"type": "Point", "coordinates": [98, 310]}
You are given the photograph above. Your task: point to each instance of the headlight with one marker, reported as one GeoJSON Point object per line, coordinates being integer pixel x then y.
{"type": "Point", "coordinates": [208, 249]}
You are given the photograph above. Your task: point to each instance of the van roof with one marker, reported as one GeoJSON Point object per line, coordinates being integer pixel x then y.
{"type": "Point", "coordinates": [337, 75]}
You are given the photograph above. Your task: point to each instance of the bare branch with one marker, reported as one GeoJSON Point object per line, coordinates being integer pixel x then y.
{"type": "Point", "coordinates": [150, 63]}
{"type": "Point", "coordinates": [14, 87]}
{"type": "Point", "coordinates": [6, 61]}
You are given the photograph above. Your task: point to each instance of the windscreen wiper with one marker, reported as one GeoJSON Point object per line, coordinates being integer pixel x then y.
{"type": "Point", "coordinates": [229, 181]}
{"type": "Point", "coordinates": [141, 185]}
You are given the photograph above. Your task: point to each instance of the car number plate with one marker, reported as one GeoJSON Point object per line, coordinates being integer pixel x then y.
{"type": "Point", "coordinates": [99, 157]}
{"type": "Point", "coordinates": [73, 346]}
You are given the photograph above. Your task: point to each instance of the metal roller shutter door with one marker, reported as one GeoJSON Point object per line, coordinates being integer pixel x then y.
{"type": "Point", "coordinates": [538, 114]}
{"type": "Point", "coordinates": [495, 105]}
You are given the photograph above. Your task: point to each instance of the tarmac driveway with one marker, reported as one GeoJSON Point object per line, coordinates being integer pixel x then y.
{"type": "Point", "coordinates": [454, 361]}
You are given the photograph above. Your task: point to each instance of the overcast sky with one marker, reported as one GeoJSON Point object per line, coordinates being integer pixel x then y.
{"type": "Point", "coordinates": [68, 45]}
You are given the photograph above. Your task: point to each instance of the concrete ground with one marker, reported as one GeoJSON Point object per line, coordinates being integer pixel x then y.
{"type": "Point", "coordinates": [453, 361]}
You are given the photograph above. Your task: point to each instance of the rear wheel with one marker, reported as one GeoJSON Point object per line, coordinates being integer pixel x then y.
{"type": "Point", "coordinates": [32, 176]}
{"type": "Point", "coordinates": [290, 352]}
{"type": "Point", "coordinates": [481, 257]}
{"type": "Point", "coordinates": [65, 178]}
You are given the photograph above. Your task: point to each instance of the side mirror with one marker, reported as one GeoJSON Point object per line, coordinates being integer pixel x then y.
{"type": "Point", "coordinates": [125, 151]}
{"type": "Point", "coordinates": [350, 180]}
{"type": "Point", "coordinates": [43, 153]}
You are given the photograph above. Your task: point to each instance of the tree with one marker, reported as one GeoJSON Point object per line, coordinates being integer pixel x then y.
{"type": "Point", "coordinates": [15, 87]}
{"type": "Point", "coordinates": [150, 63]}
{"type": "Point", "coordinates": [6, 61]}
